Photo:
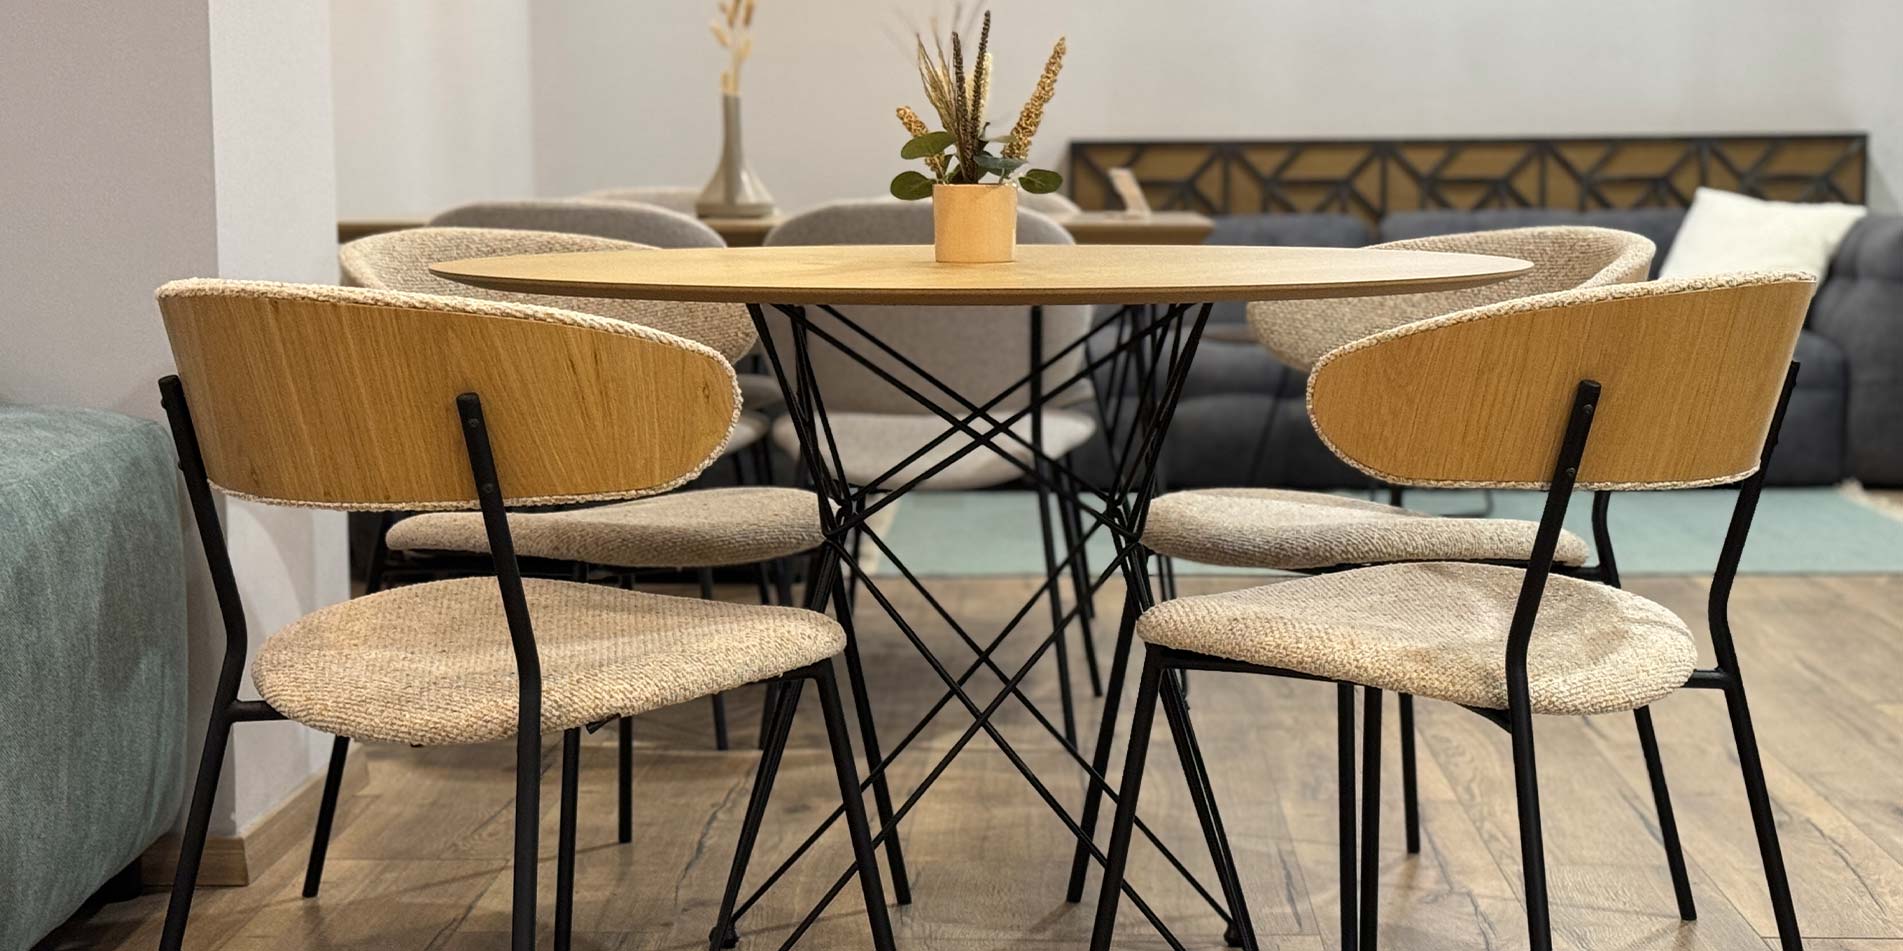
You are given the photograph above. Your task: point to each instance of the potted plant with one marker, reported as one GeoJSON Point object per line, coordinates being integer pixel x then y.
{"type": "Point", "coordinates": [974, 190]}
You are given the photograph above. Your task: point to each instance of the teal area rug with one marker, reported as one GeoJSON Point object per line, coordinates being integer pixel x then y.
{"type": "Point", "coordinates": [1797, 531]}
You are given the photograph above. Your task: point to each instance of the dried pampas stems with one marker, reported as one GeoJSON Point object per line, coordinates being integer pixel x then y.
{"type": "Point", "coordinates": [733, 30]}
{"type": "Point", "coordinates": [1033, 114]}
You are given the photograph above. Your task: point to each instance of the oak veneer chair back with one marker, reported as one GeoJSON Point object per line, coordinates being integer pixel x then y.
{"type": "Point", "coordinates": [345, 398]}
{"type": "Point", "coordinates": [1690, 370]}
{"type": "Point", "coordinates": [681, 198]}
{"type": "Point", "coordinates": [400, 261]}
{"type": "Point", "coordinates": [1563, 257]}
{"type": "Point", "coordinates": [977, 351]}
{"type": "Point", "coordinates": [621, 220]}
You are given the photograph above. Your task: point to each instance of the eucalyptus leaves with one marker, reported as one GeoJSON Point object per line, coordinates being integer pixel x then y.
{"type": "Point", "coordinates": [961, 152]}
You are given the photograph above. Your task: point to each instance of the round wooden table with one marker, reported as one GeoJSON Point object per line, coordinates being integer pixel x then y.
{"type": "Point", "coordinates": [1165, 292]}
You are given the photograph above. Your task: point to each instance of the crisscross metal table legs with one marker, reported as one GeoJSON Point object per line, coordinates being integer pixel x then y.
{"type": "Point", "coordinates": [1151, 353]}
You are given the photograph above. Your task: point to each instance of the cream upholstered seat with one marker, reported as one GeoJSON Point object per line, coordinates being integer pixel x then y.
{"type": "Point", "coordinates": [1439, 629]}
{"type": "Point", "coordinates": [1298, 531]}
{"type": "Point", "coordinates": [871, 443]}
{"type": "Point", "coordinates": [706, 528]}
{"type": "Point", "coordinates": [430, 664]}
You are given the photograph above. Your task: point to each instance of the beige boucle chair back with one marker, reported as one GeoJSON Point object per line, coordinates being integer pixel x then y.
{"type": "Point", "coordinates": [977, 351]}
{"type": "Point", "coordinates": [678, 198]}
{"type": "Point", "coordinates": [345, 398]}
{"type": "Point", "coordinates": [400, 261]}
{"type": "Point", "coordinates": [1691, 371]}
{"type": "Point", "coordinates": [621, 220]}
{"type": "Point", "coordinates": [1563, 258]}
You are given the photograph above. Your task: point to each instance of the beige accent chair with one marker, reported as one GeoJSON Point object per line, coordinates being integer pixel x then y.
{"type": "Point", "coordinates": [701, 529]}
{"type": "Point", "coordinates": [1263, 528]}
{"type": "Point", "coordinates": [1609, 387]}
{"type": "Point", "coordinates": [361, 399]}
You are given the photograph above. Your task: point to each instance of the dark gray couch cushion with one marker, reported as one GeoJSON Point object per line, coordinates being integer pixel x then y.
{"type": "Point", "coordinates": [1860, 308]}
{"type": "Point", "coordinates": [1659, 224]}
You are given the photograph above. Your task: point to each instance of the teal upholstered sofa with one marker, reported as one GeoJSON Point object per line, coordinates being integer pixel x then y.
{"type": "Point", "coordinates": [92, 656]}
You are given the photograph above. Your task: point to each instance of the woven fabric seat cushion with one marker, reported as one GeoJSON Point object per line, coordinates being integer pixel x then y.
{"type": "Point", "coordinates": [431, 664]}
{"type": "Point", "coordinates": [1439, 630]}
{"type": "Point", "coordinates": [871, 443]}
{"type": "Point", "coordinates": [1299, 531]}
{"type": "Point", "coordinates": [704, 528]}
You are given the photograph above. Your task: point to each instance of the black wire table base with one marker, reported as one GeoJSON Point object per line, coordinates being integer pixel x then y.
{"type": "Point", "coordinates": [1146, 358]}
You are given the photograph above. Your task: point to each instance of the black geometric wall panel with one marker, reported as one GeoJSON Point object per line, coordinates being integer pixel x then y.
{"type": "Point", "coordinates": [1371, 177]}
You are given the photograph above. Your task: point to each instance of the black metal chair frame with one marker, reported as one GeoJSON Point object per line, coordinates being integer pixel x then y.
{"type": "Point", "coordinates": [227, 709]}
{"type": "Point", "coordinates": [1358, 925]}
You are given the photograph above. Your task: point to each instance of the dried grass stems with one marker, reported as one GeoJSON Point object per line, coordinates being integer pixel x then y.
{"type": "Point", "coordinates": [733, 29]}
{"type": "Point", "coordinates": [1032, 115]}
{"type": "Point", "coordinates": [958, 89]}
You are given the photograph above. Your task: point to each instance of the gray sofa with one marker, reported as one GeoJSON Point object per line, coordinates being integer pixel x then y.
{"type": "Point", "coordinates": [1845, 418]}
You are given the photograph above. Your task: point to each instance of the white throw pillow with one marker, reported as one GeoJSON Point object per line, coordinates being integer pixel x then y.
{"type": "Point", "coordinates": [1726, 231]}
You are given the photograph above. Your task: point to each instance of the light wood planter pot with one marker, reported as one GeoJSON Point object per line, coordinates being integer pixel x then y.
{"type": "Point", "coordinates": [974, 224]}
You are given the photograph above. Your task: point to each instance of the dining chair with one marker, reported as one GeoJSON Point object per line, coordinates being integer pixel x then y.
{"type": "Point", "coordinates": [368, 400]}
{"type": "Point", "coordinates": [679, 198]}
{"type": "Point", "coordinates": [653, 224]}
{"type": "Point", "coordinates": [1050, 203]}
{"type": "Point", "coordinates": [1664, 385]}
{"type": "Point", "coordinates": [971, 350]}
{"type": "Point", "coordinates": [1319, 532]}
{"type": "Point", "coordinates": [698, 530]}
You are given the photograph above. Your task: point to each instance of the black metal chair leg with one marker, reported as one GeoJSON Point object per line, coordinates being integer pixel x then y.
{"type": "Point", "coordinates": [1668, 823]}
{"type": "Point", "coordinates": [528, 811]}
{"type": "Point", "coordinates": [1370, 869]}
{"type": "Point", "coordinates": [565, 842]}
{"type": "Point", "coordinates": [869, 735]}
{"type": "Point", "coordinates": [1202, 796]}
{"type": "Point", "coordinates": [1751, 766]}
{"type": "Point", "coordinates": [1106, 734]}
{"type": "Point", "coordinates": [868, 861]}
{"type": "Point", "coordinates": [1072, 525]}
{"type": "Point", "coordinates": [624, 780]}
{"type": "Point", "coordinates": [1539, 925]}
{"type": "Point", "coordinates": [785, 703]}
{"type": "Point", "coordinates": [326, 815]}
{"type": "Point", "coordinates": [191, 848]}
{"type": "Point", "coordinates": [1410, 787]}
{"type": "Point", "coordinates": [1345, 811]}
{"type": "Point", "coordinates": [717, 701]}
{"type": "Point", "coordinates": [1055, 596]}
{"type": "Point", "coordinates": [1142, 718]}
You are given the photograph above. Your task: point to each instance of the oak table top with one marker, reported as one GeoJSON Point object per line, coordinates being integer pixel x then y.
{"type": "Point", "coordinates": [1087, 227]}
{"type": "Point", "coordinates": [1042, 274]}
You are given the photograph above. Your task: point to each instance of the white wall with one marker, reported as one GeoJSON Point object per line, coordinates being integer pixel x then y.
{"type": "Point", "coordinates": [152, 141]}
{"type": "Point", "coordinates": [277, 213]}
{"type": "Point", "coordinates": [626, 93]}
{"type": "Point", "coordinates": [433, 104]}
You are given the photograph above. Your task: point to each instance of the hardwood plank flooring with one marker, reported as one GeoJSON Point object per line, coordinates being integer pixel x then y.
{"type": "Point", "coordinates": [419, 859]}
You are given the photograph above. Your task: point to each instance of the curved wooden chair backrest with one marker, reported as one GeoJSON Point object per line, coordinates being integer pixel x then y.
{"type": "Point", "coordinates": [345, 398]}
{"type": "Point", "coordinates": [1691, 370]}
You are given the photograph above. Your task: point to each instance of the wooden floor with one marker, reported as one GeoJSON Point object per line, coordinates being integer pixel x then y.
{"type": "Point", "coordinates": [419, 859]}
